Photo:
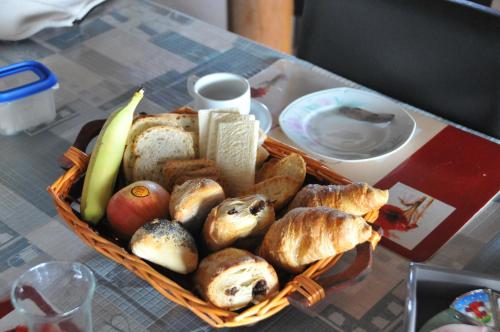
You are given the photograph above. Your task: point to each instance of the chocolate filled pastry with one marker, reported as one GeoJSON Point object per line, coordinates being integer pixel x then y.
{"type": "Point", "coordinates": [237, 218]}
{"type": "Point", "coordinates": [232, 278]}
{"type": "Point", "coordinates": [305, 235]}
{"type": "Point", "coordinates": [191, 202]}
{"type": "Point", "coordinates": [355, 198]}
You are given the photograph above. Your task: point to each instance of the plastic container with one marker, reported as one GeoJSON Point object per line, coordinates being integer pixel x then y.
{"type": "Point", "coordinates": [26, 96]}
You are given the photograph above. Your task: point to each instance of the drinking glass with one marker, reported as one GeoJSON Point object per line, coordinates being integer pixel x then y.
{"type": "Point", "coordinates": [56, 297]}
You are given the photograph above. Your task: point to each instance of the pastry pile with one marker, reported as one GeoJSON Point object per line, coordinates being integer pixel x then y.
{"type": "Point", "coordinates": [225, 196]}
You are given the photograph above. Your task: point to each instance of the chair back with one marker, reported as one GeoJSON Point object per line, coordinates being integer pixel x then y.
{"type": "Point", "coordinates": [439, 55]}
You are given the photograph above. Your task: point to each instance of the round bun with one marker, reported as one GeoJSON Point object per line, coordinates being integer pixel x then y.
{"type": "Point", "coordinates": [191, 202]}
{"type": "Point", "coordinates": [166, 243]}
{"type": "Point", "coordinates": [232, 278]}
{"type": "Point", "coordinates": [237, 218]}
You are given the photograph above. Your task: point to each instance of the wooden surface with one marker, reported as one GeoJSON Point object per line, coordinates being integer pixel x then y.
{"type": "Point", "coordinates": [264, 21]}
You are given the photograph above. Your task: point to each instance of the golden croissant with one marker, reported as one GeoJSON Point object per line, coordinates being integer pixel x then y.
{"type": "Point", "coordinates": [305, 235]}
{"type": "Point", "coordinates": [356, 198]}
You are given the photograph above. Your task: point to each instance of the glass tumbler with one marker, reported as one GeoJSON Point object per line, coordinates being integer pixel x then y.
{"type": "Point", "coordinates": [55, 297]}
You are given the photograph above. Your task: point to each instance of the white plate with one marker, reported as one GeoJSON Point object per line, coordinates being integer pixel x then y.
{"type": "Point", "coordinates": [262, 114]}
{"type": "Point", "coordinates": [314, 124]}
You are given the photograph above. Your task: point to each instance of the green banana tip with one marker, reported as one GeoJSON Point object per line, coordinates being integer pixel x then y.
{"type": "Point", "coordinates": [140, 91]}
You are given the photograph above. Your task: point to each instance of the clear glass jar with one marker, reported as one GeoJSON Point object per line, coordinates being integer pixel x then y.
{"type": "Point", "coordinates": [55, 296]}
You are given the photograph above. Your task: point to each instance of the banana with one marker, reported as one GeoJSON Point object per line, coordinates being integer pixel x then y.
{"type": "Point", "coordinates": [105, 161]}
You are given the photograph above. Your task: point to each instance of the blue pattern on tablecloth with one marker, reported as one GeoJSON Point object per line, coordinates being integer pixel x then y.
{"type": "Point", "coordinates": [79, 34]}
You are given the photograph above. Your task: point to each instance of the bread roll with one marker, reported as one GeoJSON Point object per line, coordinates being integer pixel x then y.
{"type": "Point", "coordinates": [305, 235]}
{"type": "Point", "coordinates": [191, 202]}
{"type": "Point", "coordinates": [356, 198]}
{"type": "Point", "coordinates": [166, 243]}
{"type": "Point", "coordinates": [232, 278]}
{"type": "Point", "coordinates": [237, 218]}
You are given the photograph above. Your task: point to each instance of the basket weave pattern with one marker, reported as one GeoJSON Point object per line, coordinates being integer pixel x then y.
{"type": "Point", "coordinates": [303, 283]}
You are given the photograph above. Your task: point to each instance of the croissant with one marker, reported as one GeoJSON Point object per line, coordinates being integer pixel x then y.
{"type": "Point", "coordinates": [356, 198]}
{"type": "Point", "coordinates": [305, 235]}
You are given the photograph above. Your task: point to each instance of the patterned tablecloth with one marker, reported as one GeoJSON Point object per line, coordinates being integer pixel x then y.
{"type": "Point", "coordinates": [99, 62]}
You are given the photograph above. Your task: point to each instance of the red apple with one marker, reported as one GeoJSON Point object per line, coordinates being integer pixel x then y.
{"type": "Point", "coordinates": [135, 205]}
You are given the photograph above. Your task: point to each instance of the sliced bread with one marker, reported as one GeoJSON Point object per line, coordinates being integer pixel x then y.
{"type": "Point", "coordinates": [188, 122]}
{"type": "Point", "coordinates": [203, 126]}
{"type": "Point", "coordinates": [215, 120]}
{"type": "Point", "coordinates": [236, 153]}
{"type": "Point", "coordinates": [154, 146]}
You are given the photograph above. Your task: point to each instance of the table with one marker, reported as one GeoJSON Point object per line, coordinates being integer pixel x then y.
{"type": "Point", "coordinates": [119, 46]}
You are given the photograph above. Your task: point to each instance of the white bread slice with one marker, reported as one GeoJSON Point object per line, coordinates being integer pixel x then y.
{"type": "Point", "coordinates": [156, 145]}
{"type": "Point", "coordinates": [236, 154]}
{"type": "Point", "coordinates": [203, 124]}
{"type": "Point", "coordinates": [215, 120]}
{"type": "Point", "coordinates": [188, 122]}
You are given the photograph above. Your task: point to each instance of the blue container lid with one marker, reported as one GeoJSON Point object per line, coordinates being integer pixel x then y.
{"type": "Point", "coordinates": [46, 80]}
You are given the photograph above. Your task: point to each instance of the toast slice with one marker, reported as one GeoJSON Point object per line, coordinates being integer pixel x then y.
{"type": "Point", "coordinates": [215, 120]}
{"type": "Point", "coordinates": [156, 145]}
{"type": "Point", "coordinates": [203, 126]}
{"type": "Point", "coordinates": [236, 153]}
{"type": "Point", "coordinates": [279, 190]}
{"type": "Point", "coordinates": [188, 122]}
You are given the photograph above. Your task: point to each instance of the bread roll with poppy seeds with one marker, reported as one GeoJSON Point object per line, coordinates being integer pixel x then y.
{"type": "Point", "coordinates": [166, 243]}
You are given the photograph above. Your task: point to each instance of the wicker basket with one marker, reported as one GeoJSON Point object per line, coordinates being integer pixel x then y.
{"type": "Point", "coordinates": [302, 290]}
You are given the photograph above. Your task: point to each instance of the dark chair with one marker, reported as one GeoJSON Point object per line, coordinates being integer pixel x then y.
{"type": "Point", "coordinates": [440, 55]}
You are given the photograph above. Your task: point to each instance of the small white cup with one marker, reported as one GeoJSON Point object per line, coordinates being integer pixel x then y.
{"type": "Point", "coordinates": [220, 90]}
